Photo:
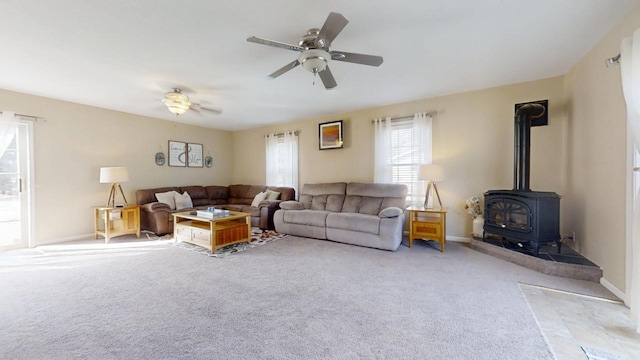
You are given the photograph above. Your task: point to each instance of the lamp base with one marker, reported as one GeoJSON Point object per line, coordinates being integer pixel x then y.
{"type": "Point", "coordinates": [112, 196]}
{"type": "Point", "coordinates": [426, 197]}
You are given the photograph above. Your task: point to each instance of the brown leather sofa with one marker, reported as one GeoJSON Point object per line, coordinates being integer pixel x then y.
{"type": "Point", "coordinates": [157, 217]}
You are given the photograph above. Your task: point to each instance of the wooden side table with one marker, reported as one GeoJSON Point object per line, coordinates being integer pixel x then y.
{"type": "Point", "coordinates": [428, 224]}
{"type": "Point", "coordinates": [116, 221]}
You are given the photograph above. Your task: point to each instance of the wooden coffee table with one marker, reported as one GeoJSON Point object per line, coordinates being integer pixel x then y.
{"type": "Point", "coordinates": [212, 234]}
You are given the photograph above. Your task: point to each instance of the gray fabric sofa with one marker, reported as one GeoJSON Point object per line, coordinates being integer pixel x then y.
{"type": "Point", "coordinates": [364, 214]}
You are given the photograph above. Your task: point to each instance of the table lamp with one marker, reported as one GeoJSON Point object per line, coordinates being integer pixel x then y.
{"type": "Point", "coordinates": [431, 173]}
{"type": "Point", "coordinates": [114, 176]}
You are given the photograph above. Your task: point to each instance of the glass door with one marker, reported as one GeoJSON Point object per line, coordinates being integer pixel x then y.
{"type": "Point", "coordinates": [15, 210]}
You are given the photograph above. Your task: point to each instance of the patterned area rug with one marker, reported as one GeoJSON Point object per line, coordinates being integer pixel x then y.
{"type": "Point", "coordinates": [258, 238]}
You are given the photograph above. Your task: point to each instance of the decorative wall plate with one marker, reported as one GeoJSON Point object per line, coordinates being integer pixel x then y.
{"type": "Point", "coordinates": [160, 158]}
{"type": "Point", "coordinates": [208, 161]}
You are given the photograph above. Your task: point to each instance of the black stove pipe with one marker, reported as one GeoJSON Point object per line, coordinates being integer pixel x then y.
{"type": "Point", "coordinates": [522, 151]}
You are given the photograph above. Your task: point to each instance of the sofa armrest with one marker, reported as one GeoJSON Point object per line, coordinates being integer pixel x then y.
{"type": "Point", "coordinates": [291, 205]}
{"type": "Point", "coordinates": [267, 209]}
{"type": "Point", "coordinates": [156, 217]}
{"type": "Point", "coordinates": [390, 212]}
{"type": "Point", "coordinates": [155, 206]}
{"type": "Point", "coordinates": [270, 203]}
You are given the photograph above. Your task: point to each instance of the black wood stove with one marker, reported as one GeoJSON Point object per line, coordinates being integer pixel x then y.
{"type": "Point", "coordinates": [522, 215]}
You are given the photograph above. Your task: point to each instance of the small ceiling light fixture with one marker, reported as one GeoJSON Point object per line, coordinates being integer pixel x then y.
{"type": "Point", "coordinates": [314, 60]}
{"type": "Point", "coordinates": [177, 102]}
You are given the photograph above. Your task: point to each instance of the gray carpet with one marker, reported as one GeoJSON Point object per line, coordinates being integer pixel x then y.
{"type": "Point", "coordinates": [290, 299]}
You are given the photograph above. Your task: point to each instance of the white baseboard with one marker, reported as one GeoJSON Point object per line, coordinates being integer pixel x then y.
{"type": "Point", "coordinates": [458, 239]}
{"type": "Point", "coordinates": [617, 292]}
{"type": "Point", "coordinates": [61, 240]}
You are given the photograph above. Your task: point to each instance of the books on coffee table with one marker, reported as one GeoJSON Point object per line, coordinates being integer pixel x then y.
{"type": "Point", "coordinates": [212, 213]}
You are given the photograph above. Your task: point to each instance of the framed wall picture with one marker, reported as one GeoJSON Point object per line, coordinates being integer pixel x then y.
{"type": "Point", "coordinates": [177, 153]}
{"type": "Point", "coordinates": [194, 155]}
{"type": "Point", "coordinates": [330, 135]}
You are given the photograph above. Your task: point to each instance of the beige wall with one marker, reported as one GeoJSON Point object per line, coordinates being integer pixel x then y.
{"type": "Point", "coordinates": [596, 139]}
{"type": "Point", "coordinates": [473, 140]}
{"type": "Point", "coordinates": [76, 140]}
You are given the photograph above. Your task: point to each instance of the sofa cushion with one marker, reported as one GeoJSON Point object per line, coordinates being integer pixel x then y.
{"type": "Point", "coordinates": [390, 212]}
{"type": "Point", "coordinates": [146, 196]}
{"type": "Point", "coordinates": [328, 196]}
{"type": "Point", "coordinates": [354, 222]}
{"type": "Point", "coordinates": [197, 193]}
{"type": "Point", "coordinates": [254, 211]}
{"type": "Point", "coordinates": [244, 194]}
{"type": "Point", "coordinates": [362, 204]}
{"type": "Point", "coordinates": [167, 198]}
{"type": "Point", "coordinates": [392, 195]}
{"type": "Point", "coordinates": [217, 195]}
{"type": "Point", "coordinates": [258, 198]}
{"type": "Point", "coordinates": [291, 205]}
{"type": "Point", "coordinates": [306, 217]}
{"type": "Point", "coordinates": [182, 201]}
{"type": "Point", "coordinates": [286, 193]}
{"type": "Point", "coordinates": [272, 195]}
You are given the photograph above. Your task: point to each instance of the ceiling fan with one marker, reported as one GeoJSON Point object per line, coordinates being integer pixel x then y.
{"type": "Point", "coordinates": [316, 53]}
{"type": "Point", "coordinates": [178, 103]}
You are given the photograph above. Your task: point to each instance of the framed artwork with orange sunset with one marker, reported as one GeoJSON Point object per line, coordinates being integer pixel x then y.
{"type": "Point", "coordinates": [330, 135]}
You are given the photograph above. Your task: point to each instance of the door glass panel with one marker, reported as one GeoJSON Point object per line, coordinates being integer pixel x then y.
{"type": "Point", "coordinates": [10, 210]}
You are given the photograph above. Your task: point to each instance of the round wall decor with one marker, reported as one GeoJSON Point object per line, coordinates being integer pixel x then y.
{"type": "Point", "coordinates": [208, 161]}
{"type": "Point", "coordinates": [160, 158]}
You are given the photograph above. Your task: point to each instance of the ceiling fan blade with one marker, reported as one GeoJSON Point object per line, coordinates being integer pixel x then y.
{"type": "Point", "coordinates": [199, 108]}
{"type": "Point", "coordinates": [284, 69]}
{"type": "Point", "coordinates": [332, 26]}
{"type": "Point", "coordinates": [278, 44]}
{"type": "Point", "coordinates": [363, 59]}
{"type": "Point", "coordinates": [327, 78]}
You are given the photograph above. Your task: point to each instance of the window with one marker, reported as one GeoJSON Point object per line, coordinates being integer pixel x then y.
{"type": "Point", "coordinates": [282, 159]}
{"type": "Point", "coordinates": [401, 147]}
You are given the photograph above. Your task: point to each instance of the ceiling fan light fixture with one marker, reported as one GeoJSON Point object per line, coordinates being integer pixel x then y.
{"type": "Point", "coordinates": [176, 107]}
{"type": "Point", "coordinates": [177, 102]}
{"type": "Point", "coordinates": [314, 60]}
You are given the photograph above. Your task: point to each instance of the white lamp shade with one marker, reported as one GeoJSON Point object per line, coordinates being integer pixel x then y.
{"type": "Point", "coordinates": [111, 175]}
{"type": "Point", "coordinates": [431, 172]}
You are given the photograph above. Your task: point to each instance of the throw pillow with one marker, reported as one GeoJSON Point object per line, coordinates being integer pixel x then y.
{"type": "Point", "coordinates": [183, 201]}
{"type": "Point", "coordinates": [256, 200]}
{"type": "Point", "coordinates": [167, 198]}
{"type": "Point", "coordinates": [272, 195]}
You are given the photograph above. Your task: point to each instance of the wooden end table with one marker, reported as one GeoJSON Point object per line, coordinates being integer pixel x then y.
{"type": "Point", "coordinates": [116, 221]}
{"type": "Point", "coordinates": [428, 224]}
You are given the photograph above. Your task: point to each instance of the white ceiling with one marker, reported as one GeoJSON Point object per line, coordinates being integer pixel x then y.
{"type": "Point", "coordinates": [124, 55]}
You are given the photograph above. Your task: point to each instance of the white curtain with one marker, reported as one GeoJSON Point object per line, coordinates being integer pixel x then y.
{"type": "Point", "coordinates": [271, 142]}
{"type": "Point", "coordinates": [630, 74]}
{"type": "Point", "coordinates": [383, 162]}
{"type": "Point", "coordinates": [8, 127]}
{"type": "Point", "coordinates": [282, 159]}
{"type": "Point", "coordinates": [417, 131]}
{"type": "Point", "coordinates": [422, 126]}
{"type": "Point", "coordinates": [290, 160]}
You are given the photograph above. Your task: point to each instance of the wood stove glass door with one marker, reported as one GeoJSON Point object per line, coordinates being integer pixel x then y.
{"type": "Point", "coordinates": [509, 214]}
